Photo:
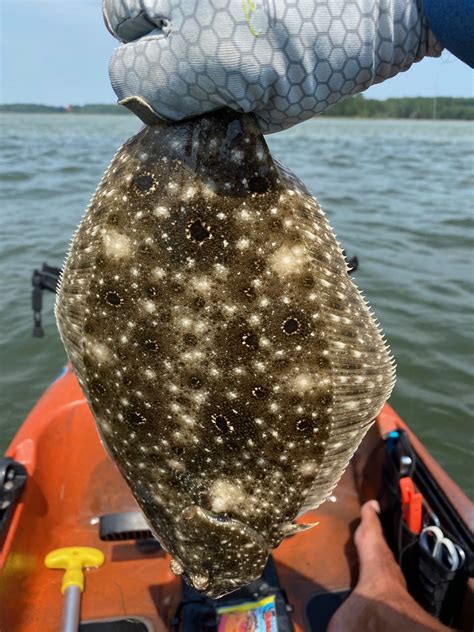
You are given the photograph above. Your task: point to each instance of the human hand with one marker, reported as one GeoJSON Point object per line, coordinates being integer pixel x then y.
{"type": "Point", "coordinates": [284, 60]}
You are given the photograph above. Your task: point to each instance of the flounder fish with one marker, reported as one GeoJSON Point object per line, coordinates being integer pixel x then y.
{"type": "Point", "coordinates": [231, 364]}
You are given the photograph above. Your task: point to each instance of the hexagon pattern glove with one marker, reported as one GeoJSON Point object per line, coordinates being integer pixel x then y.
{"type": "Point", "coordinates": [285, 60]}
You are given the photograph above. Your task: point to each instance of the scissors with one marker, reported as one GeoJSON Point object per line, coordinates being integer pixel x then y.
{"type": "Point", "coordinates": [441, 548]}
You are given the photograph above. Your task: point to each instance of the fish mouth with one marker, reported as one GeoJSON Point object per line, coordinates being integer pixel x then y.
{"type": "Point", "coordinates": [243, 552]}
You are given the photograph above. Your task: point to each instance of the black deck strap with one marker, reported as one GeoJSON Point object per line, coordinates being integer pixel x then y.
{"type": "Point", "coordinates": [197, 613]}
{"type": "Point", "coordinates": [13, 477]}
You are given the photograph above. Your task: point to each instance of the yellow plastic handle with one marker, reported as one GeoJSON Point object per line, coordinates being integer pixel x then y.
{"type": "Point", "coordinates": [73, 559]}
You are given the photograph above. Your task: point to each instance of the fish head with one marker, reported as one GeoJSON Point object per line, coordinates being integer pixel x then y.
{"type": "Point", "coordinates": [217, 554]}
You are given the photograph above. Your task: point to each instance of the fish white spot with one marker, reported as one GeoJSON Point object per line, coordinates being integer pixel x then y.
{"type": "Point", "coordinates": [161, 212]}
{"type": "Point", "coordinates": [308, 468]}
{"type": "Point", "coordinates": [116, 245]}
{"type": "Point", "coordinates": [243, 243]}
{"type": "Point", "coordinates": [149, 306]}
{"type": "Point", "coordinates": [202, 284]}
{"type": "Point", "coordinates": [99, 351]}
{"type": "Point", "coordinates": [176, 465]}
{"type": "Point", "coordinates": [288, 260]}
{"type": "Point", "coordinates": [158, 273]}
{"type": "Point", "coordinates": [303, 383]}
{"type": "Point", "coordinates": [226, 495]}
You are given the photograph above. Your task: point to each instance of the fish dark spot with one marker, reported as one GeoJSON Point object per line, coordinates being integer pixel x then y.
{"type": "Point", "coordinates": [222, 423]}
{"type": "Point", "coordinates": [122, 353]}
{"type": "Point", "coordinates": [249, 292]}
{"type": "Point", "coordinates": [349, 333]}
{"type": "Point", "coordinates": [276, 224]}
{"type": "Point", "coordinates": [152, 291]}
{"type": "Point", "coordinates": [143, 182]}
{"type": "Point", "coordinates": [190, 339]}
{"type": "Point", "coordinates": [249, 340]}
{"type": "Point", "coordinates": [302, 425]}
{"type": "Point", "coordinates": [260, 392]}
{"type": "Point", "coordinates": [175, 287]}
{"type": "Point", "coordinates": [308, 281]}
{"type": "Point", "coordinates": [195, 382]}
{"type": "Point", "coordinates": [145, 249]}
{"type": "Point", "coordinates": [113, 219]}
{"type": "Point", "coordinates": [197, 231]}
{"type": "Point", "coordinates": [126, 380]}
{"type": "Point", "coordinates": [324, 400]}
{"type": "Point", "coordinates": [291, 326]}
{"type": "Point", "coordinates": [151, 344]}
{"type": "Point", "coordinates": [199, 302]}
{"type": "Point", "coordinates": [258, 184]}
{"type": "Point", "coordinates": [323, 362]}
{"type": "Point", "coordinates": [258, 265]}
{"type": "Point", "coordinates": [319, 343]}
{"type": "Point", "coordinates": [112, 298]}
{"type": "Point", "coordinates": [97, 387]}
{"type": "Point", "coordinates": [136, 418]}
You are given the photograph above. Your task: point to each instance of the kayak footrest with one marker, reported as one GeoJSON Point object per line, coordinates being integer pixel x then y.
{"type": "Point", "coordinates": [126, 525]}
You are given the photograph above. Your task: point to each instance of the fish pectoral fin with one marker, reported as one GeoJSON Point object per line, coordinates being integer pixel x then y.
{"type": "Point", "coordinates": [292, 529]}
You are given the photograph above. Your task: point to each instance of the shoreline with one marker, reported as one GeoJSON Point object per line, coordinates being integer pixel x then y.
{"type": "Point", "coordinates": [334, 117]}
{"type": "Point", "coordinates": [356, 107]}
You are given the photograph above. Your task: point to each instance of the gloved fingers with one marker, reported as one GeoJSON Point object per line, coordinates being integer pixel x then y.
{"type": "Point", "coordinates": [129, 20]}
{"type": "Point", "coordinates": [183, 58]}
{"type": "Point", "coordinates": [147, 78]}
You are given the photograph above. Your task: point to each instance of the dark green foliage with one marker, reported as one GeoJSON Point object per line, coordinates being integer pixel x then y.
{"type": "Point", "coordinates": [408, 108]}
{"type": "Point", "coordinates": [92, 108]}
{"type": "Point", "coordinates": [354, 107]}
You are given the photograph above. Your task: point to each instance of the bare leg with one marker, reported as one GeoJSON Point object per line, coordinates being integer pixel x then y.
{"type": "Point", "coordinates": [380, 601]}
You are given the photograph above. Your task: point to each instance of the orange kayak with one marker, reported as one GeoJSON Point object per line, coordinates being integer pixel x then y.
{"type": "Point", "coordinates": [71, 484]}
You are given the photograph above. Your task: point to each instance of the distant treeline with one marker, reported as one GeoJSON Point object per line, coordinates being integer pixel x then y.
{"type": "Point", "coordinates": [355, 107]}
{"type": "Point", "coordinates": [36, 108]}
{"type": "Point", "coordinates": [409, 108]}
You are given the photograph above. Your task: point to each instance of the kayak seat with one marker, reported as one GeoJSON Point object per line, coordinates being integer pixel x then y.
{"type": "Point", "coordinates": [125, 525]}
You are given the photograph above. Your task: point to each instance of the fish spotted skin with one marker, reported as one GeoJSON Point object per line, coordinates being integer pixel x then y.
{"type": "Point", "coordinates": [230, 362]}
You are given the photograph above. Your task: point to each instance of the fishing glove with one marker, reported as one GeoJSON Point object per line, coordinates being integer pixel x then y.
{"type": "Point", "coordinates": [284, 60]}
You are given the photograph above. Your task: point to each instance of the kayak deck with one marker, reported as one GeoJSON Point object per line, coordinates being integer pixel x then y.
{"type": "Point", "coordinates": [72, 482]}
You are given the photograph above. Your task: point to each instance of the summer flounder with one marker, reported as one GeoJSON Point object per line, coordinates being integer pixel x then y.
{"type": "Point", "coordinates": [230, 362]}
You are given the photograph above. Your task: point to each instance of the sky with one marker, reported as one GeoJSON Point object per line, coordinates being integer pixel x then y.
{"type": "Point", "coordinates": [56, 52]}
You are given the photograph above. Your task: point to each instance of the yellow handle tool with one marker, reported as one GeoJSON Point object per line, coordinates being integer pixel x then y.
{"type": "Point", "coordinates": [73, 560]}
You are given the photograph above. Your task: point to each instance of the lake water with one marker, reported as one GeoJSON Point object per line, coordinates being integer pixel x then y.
{"type": "Point", "coordinates": [398, 193]}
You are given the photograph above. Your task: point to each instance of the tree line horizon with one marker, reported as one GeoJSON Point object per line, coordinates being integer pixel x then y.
{"type": "Point", "coordinates": [454, 108]}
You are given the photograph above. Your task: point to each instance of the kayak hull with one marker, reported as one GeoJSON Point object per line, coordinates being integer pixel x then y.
{"type": "Point", "coordinates": [72, 482]}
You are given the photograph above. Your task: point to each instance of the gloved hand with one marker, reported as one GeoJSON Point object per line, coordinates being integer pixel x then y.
{"type": "Point", "coordinates": [285, 60]}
